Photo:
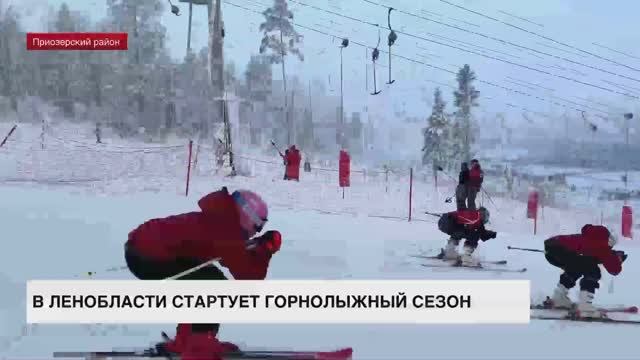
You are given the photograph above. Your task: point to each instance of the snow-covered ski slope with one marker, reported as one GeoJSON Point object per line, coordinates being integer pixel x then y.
{"type": "Point", "coordinates": [65, 229]}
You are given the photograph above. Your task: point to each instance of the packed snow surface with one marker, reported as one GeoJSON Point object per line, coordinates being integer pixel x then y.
{"type": "Point", "coordinates": [64, 230]}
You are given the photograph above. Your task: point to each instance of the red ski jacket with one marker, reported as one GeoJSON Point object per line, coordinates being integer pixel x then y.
{"type": "Point", "coordinates": [470, 218]}
{"type": "Point", "coordinates": [594, 242]}
{"type": "Point", "coordinates": [293, 159]}
{"type": "Point", "coordinates": [213, 232]}
{"type": "Point", "coordinates": [476, 177]}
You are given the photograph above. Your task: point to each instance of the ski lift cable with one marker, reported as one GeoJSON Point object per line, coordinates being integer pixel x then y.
{"type": "Point", "coordinates": [520, 18]}
{"type": "Point", "coordinates": [426, 64]}
{"type": "Point", "coordinates": [617, 51]}
{"type": "Point", "coordinates": [485, 55]}
{"type": "Point", "coordinates": [419, 62]}
{"type": "Point", "coordinates": [539, 35]}
{"type": "Point", "coordinates": [506, 42]}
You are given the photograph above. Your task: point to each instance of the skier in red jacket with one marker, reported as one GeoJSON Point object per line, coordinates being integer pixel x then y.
{"type": "Point", "coordinates": [223, 229]}
{"type": "Point", "coordinates": [474, 183]}
{"type": "Point", "coordinates": [464, 224]}
{"type": "Point", "coordinates": [292, 160]}
{"type": "Point", "coordinates": [579, 255]}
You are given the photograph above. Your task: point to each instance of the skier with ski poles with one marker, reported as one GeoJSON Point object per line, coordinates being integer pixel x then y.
{"type": "Point", "coordinates": [223, 229]}
{"type": "Point", "coordinates": [464, 224]}
{"type": "Point", "coordinates": [461, 189]}
{"type": "Point", "coordinates": [474, 183]}
{"type": "Point", "coordinates": [579, 255]}
{"type": "Point", "coordinates": [285, 162]}
{"type": "Point", "coordinates": [292, 163]}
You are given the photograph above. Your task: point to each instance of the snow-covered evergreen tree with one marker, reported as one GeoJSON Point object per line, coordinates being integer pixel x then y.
{"type": "Point", "coordinates": [11, 34]}
{"type": "Point", "coordinates": [147, 46]}
{"type": "Point", "coordinates": [465, 98]}
{"type": "Point", "coordinates": [280, 39]}
{"type": "Point", "coordinates": [437, 141]}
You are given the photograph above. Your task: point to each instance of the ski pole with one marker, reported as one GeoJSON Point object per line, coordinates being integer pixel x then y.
{"type": "Point", "coordinates": [278, 150]}
{"type": "Point", "coordinates": [433, 214]}
{"type": "Point", "coordinates": [489, 197]}
{"type": "Point", "coordinates": [8, 135]}
{"type": "Point", "coordinates": [447, 175]}
{"type": "Point", "coordinates": [525, 249]}
{"type": "Point", "coordinates": [252, 243]}
{"type": "Point", "coordinates": [193, 269]}
{"type": "Point", "coordinates": [111, 269]}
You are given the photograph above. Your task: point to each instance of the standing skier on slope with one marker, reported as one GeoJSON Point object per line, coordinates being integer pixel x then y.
{"type": "Point", "coordinates": [474, 183]}
{"type": "Point", "coordinates": [579, 255]}
{"type": "Point", "coordinates": [464, 224]}
{"type": "Point", "coordinates": [461, 189]}
{"type": "Point", "coordinates": [162, 248]}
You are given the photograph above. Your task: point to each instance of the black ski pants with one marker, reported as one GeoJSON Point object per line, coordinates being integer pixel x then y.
{"type": "Point", "coordinates": [472, 192]}
{"type": "Point", "coordinates": [574, 265]}
{"type": "Point", "coordinates": [461, 197]}
{"type": "Point", "coordinates": [147, 269]}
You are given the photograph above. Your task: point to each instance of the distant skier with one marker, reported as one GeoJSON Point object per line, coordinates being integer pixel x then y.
{"type": "Point", "coordinates": [579, 255]}
{"type": "Point", "coordinates": [461, 189]}
{"type": "Point", "coordinates": [285, 158]}
{"type": "Point", "coordinates": [220, 151]}
{"type": "Point", "coordinates": [292, 161]}
{"type": "Point", "coordinates": [474, 184]}
{"type": "Point", "coordinates": [464, 224]}
{"type": "Point", "coordinates": [223, 228]}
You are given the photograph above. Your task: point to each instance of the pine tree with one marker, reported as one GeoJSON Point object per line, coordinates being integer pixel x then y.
{"type": "Point", "coordinates": [466, 97]}
{"type": "Point", "coordinates": [437, 147]}
{"type": "Point", "coordinates": [64, 22]}
{"type": "Point", "coordinates": [277, 29]}
{"type": "Point", "coordinates": [10, 55]}
{"type": "Point", "coordinates": [147, 44]}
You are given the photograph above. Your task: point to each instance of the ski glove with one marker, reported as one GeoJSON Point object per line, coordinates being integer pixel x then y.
{"type": "Point", "coordinates": [488, 234]}
{"type": "Point", "coordinates": [622, 255]}
{"type": "Point", "coordinates": [270, 241]}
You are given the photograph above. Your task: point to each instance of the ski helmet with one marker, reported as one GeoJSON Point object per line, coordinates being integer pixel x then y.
{"type": "Point", "coordinates": [253, 210]}
{"type": "Point", "coordinates": [484, 214]}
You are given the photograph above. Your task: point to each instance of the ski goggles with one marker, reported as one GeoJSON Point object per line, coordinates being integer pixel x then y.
{"type": "Point", "coordinates": [258, 222]}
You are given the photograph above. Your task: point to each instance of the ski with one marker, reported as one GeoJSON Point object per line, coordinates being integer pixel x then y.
{"type": "Point", "coordinates": [439, 257]}
{"type": "Point", "coordinates": [342, 354]}
{"type": "Point", "coordinates": [477, 268]}
{"type": "Point", "coordinates": [608, 309]}
{"type": "Point", "coordinates": [589, 320]}
{"type": "Point", "coordinates": [108, 354]}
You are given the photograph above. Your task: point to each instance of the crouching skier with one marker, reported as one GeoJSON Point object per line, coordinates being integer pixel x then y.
{"type": "Point", "coordinates": [222, 229]}
{"type": "Point", "coordinates": [579, 256]}
{"type": "Point", "coordinates": [464, 224]}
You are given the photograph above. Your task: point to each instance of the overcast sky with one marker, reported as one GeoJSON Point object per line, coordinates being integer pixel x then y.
{"type": "Point", "coordinates": [578, 23]}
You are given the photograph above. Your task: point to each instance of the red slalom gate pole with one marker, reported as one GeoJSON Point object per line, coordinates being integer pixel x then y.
{"type": "Point", "coordinates": [186, 192]}
{"type": "Point", "coordinates": [410, 190]}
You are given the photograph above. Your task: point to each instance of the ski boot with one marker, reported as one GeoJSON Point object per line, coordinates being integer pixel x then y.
{"type": "Point", "coordinates": [176, 345]}
{"type": "Point", "coordinates": [585, 308]}
{"type": "Point", "coordinates": [450, 252]}
{"type": "Point", "coordinates": [205, 346]}
{"type": "Point", "coordinates": [467, 258]}
{"type": "Point", "coordinates": [559, 300]}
